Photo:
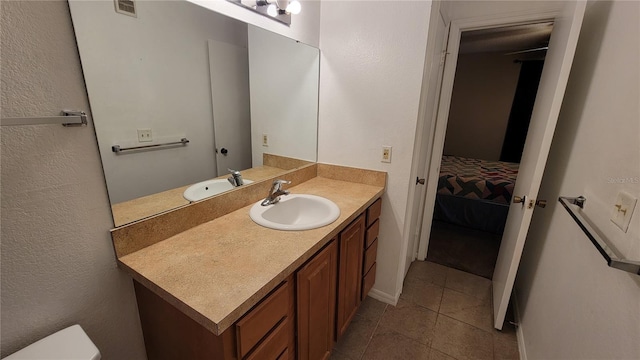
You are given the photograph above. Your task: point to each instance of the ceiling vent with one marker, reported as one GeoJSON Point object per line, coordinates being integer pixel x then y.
{"type": "Point", "coordinates": [126, 7]}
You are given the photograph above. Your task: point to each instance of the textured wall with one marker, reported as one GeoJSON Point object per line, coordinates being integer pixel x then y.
{"type": "Point", "coordinates": [371, 70]}
{"type": "Point", "coordinates": [572, 305]}
{"type": "Point", "coordinates": [58, 266]}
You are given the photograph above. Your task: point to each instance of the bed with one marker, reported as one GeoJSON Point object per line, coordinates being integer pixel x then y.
{"type": "Point", "coordinates": [475, 193]}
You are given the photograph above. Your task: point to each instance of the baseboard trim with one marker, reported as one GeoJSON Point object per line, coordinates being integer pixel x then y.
{"type": "Point", "coordinates": [519, 332]}
{"type": "Point", "coordinates": [384, 297]}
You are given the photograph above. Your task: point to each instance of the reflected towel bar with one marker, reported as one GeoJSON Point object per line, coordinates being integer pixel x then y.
{"type": "Point", "coordinates": [571, 204]}
{"type": "Point", "coordinates": [117, 149]}
{"type": "Point", "coordinates": [67, 118]}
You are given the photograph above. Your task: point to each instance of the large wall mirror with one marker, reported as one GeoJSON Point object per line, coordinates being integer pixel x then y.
{"type": "Point", "coordinates": [164, 71]}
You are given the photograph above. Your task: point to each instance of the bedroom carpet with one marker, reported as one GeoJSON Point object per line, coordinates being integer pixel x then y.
{"type": "Point", "coordinates": [464, 249]}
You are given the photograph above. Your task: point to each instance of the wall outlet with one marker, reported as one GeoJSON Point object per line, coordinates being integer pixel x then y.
{"type": "Point", "coordinates": [265, 140]}
{"type": "Point", "coordinates": [144, 135]}
{"type": "Point", "coordinates": [386, 154]}
{"type": "Point", "coordinates": [623, 210]}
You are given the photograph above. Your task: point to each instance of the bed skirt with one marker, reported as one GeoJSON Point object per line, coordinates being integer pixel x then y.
{"type": "Point", "coordinates": [471, 213]}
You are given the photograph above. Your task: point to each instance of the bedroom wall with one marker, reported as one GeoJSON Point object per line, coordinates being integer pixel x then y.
{"type": "Point", "coordinates": [57, 261]}
{"type": "Point", "coordinates": [572, 305]}
{"type": "Point", "coordinates": [483, 91]}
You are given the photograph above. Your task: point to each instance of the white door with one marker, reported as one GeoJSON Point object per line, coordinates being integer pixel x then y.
{"type": "Point", "coordinates": [428, 111]}
{"type": "Point", "coordinates": [553, 81]}
{"type": "Point", "coordinates": [229, 72]}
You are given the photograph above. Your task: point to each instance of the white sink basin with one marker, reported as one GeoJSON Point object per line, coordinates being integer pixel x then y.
{"type": "Point", "coordinates": [296, 212]}
{"type": "Point", "coordinates": [203, 190]}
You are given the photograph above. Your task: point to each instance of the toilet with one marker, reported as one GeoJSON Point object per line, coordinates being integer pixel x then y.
{"type": "Point", "coordinates": [71, 343]}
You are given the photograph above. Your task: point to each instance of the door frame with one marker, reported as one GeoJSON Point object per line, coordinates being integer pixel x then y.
{"type": "Point", "coordinates": [436, 138]}
{"type": "Point", "coordinates": [432, 79]}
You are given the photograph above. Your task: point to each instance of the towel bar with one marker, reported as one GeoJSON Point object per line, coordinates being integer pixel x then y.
{"type": "Point", "coordinates": [600, 242]}
{"type": "Point", "coordinates": [117, 149]}
{"type": "Point", "coordinates": [67, 118]}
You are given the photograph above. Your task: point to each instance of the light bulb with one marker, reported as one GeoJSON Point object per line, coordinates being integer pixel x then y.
{"type": "Point", "coordinates": [294, 7]}
{"type": "Point", "coordinates": [272, 10]}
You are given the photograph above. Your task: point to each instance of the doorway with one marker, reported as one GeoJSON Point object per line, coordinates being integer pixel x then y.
{"type": "Point", "coordinates": [469, 16]}
{"type": "Point", "coordinates": [496, 80]}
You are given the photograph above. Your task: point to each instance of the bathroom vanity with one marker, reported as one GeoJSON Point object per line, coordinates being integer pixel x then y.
{"type": "Point", "coordinates": [229, 288]}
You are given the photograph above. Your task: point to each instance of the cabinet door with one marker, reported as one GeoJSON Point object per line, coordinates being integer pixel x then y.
{"type": "Point", "coordinates": [350, 273]}
{"type": "Point", "coordinates": [317, 304]}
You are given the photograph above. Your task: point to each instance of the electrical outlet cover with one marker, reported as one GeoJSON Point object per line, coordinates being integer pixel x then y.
{"type": "Point", "coordinates": [144, 135]}
{"type": "Point", "coordinates": [623, 210]}
{"type": "Point", "coordinates": [386, 154]}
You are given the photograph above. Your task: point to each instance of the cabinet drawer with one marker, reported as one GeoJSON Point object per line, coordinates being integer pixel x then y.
{"type": "Point", "coordinates": [275, 345]}
{"type": "Point", "coordinates": [370, 257]}
{"type": "Point", "coordinates": [372, 233]}
{"type": "Point", "coordinates": [368, 281]}
{"type": "Point", "coordinates": [264, 317]}
{"type": "Point", "coordinates": [373, 212]}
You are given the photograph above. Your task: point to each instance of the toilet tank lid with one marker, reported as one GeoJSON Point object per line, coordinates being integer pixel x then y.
{"type": "Point", "coordinates": [71, 343]}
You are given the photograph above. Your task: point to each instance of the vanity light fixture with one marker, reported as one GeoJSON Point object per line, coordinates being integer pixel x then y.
{"type": "Point", "coordinates": [276, 7]}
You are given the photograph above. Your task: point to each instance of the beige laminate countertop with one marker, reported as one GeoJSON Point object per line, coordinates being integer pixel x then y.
{"type": "Point", "coordinates": [140, 208]}
{"type": "Point", "coordinates": [217, 271]}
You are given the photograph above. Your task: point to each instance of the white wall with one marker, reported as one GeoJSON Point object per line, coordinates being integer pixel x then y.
{"type": "Point", "coordinates": [284, 96]}
{"type": "Point", "coordinates": [305, 27]}
{"type": "Point", "coordinates": [152, 72]}
{"type": "Point", "coordinates": [371, 64]}
{"type": "Point", "coordinates": [572, 305]}
{"type": "Point", "coordinates": [58, 265]}
{"type": "Point", "coordinates": [483, 92]}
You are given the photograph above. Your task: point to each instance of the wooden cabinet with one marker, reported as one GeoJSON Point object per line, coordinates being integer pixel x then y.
{"type": "Point", "coordinates": [349, 273]}
{"type": "Point", "coordinates": [300, 319]}
{"type": "Point", "coordinates": [371, 247]}
{"type": "Point", "coordinates": [271, 320]}
{"type": "Point", "coordinates": [266, 332]}
{"type": "Point", "coordinates": [316, 304]}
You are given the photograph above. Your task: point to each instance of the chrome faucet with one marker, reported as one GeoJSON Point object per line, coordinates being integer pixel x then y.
{"type": "Point", "coordinates": [236, 178]}
{"type": "Point", "coordinates": [275, 192]}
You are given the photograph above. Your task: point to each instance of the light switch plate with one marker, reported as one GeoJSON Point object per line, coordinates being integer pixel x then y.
{"type": "Point", "coordinates": [623, 210]}
{"type": "Point", "coordinates": [265, 140]}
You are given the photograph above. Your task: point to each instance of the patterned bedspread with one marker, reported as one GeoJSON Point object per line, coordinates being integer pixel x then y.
{"type": "Point", "coordinates": [477, 179]}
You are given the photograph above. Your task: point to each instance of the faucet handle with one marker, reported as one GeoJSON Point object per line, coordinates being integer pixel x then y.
{"type": "Point", "coordinates": [233, 172]}
{"type": "Point", "coordinates": [277, 184]}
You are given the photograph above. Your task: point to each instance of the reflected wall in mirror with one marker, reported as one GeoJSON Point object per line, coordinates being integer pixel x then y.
{"type": "Point", "coordinates": [176, 71]}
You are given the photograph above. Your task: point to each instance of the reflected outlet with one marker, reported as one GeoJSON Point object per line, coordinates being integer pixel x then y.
{"type": "Point", "coordinates": [144, 135]}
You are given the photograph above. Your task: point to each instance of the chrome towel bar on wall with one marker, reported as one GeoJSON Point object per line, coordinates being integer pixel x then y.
{"type": "Point", "coordinates": [573, 206]}
{"type": "Point", "coordinates": [67, 118]}
{"type": "Point", "coordinates": [118, 149]}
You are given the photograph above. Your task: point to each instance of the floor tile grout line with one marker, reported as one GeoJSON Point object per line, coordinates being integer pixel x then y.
{"type": "Point", "coordinates": [373, 332]}
{"type": "Point", "coordinates": [466, 323]}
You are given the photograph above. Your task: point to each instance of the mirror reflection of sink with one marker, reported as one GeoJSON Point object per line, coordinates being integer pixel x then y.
{"type": "Point", "coordinates": [296, 212]}
{"type": "Point", "coordinates": [203, 190]}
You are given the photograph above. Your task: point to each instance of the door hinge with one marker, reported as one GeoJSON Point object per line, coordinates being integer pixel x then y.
{"type": "Point", "coordinates": [443, 57]}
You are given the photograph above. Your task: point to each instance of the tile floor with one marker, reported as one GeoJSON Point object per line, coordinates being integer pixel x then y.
{"type": "Point", "coordinates": [443, 313]}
